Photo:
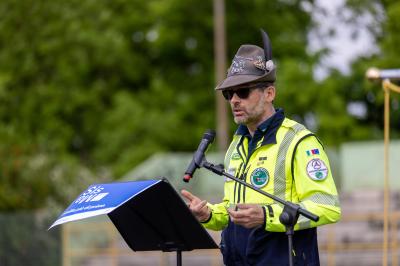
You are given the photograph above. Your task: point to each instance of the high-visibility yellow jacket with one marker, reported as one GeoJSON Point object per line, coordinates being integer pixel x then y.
{"type": "Point", "coordinates": [294, 167]}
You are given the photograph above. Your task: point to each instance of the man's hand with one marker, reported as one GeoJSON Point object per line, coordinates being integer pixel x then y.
{"type": "Point", "coordinates": [247, 215]}
{"type": "Point", "coordinates": [197, 206]}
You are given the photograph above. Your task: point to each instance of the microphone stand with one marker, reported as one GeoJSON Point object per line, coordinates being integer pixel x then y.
{"type": "Point", "coordinates": [289, 215]}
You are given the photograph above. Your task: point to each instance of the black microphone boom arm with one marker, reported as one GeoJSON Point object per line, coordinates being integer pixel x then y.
{"type": "Point", "coordinates": [220, 171]}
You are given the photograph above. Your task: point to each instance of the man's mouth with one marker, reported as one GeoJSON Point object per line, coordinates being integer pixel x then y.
{"type": "Point", "coordinates": [238, 112]}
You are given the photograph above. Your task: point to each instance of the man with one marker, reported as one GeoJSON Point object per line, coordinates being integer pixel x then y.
{"type": "Point", "coordinates": [275, 154]}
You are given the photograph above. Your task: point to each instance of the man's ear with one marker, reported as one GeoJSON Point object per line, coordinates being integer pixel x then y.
{"type": "Point", "coordinates": [270, 94]}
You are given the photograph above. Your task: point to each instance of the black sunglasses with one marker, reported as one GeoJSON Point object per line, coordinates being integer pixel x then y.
{"type": "Point", "coordinates": [242, 93]}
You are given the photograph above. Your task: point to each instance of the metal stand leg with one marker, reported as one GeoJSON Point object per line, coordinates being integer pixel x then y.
{"type": "Point", "coordinates": [289, 218]}
{"type": "Point", "coordinates": [290, 242]}
{"type": "Point", "coordinates": [179, 258]}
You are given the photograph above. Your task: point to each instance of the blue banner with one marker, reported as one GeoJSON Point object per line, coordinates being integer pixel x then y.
{"type": "Point", "coordinates": [102, 199]}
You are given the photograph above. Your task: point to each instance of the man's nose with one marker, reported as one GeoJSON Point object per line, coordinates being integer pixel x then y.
{"type": "Point", "coordinates": [234, 98]}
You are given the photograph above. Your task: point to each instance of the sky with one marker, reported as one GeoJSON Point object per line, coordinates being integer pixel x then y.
{"type": "Point", "coordinates": [347, 44]}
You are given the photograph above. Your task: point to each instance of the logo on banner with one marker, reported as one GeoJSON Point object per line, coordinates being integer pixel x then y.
{"type": "Point", "coordinates": [92, 194]}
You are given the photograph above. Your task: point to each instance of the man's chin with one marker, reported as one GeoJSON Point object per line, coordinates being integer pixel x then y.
{"type": "Point", "coordinates": [240, 120]}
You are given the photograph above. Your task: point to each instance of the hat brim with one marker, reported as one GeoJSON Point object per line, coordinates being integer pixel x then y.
{"type": "Point", "coordinates": [237, 80]}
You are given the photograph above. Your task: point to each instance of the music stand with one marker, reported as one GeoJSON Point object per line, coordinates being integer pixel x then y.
{"type": "Point", "coordinates": [158, 219]}
{"type": "Point", "coordinates": [150, 215]}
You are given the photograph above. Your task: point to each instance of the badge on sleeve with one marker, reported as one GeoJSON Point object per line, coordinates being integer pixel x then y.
{"type": "Point", "coordinates": [259, 177]}
{"type": "Point", "coordinates": [317, 170]}
{"type": "Point", "coordinates": [312, 152]}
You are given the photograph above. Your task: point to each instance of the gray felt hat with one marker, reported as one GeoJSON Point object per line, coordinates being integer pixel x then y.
{"type": "Point", "coordinates": [251, 64]}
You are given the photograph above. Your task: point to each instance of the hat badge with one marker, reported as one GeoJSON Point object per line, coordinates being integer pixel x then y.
{"type": "Point", "coordinates": [237, 65]}
{"type": "Point", "coordinates": [261, 64]}
{"type": "Point", "coordinates": [269, 65]}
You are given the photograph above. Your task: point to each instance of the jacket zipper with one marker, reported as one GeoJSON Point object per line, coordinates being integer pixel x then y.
{"type": "Point", "coordinates": [245, 171]}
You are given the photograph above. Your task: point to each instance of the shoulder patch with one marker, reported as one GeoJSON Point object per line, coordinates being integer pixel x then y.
{"type": "Point", "coordinates": [317, 169]}
{"type": "Point", "coordinates": [312, 152]}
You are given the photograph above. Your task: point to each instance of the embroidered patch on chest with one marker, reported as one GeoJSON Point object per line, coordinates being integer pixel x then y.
{"type": "Point", "coordinates": [235, 156]}
{"type": "Point", "coordinates": [259, 177]}
{"type": "Point", "coordinates": [317, 170]}
{"type": "Point", "coordinates": [261, 160]}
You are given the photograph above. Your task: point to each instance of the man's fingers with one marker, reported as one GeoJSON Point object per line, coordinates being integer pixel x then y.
{"type": "Point", "coordinates": [248, 215]}
{"type": "Point", "coordinates": [245, 212]}
{"type": "Point", "coordinates": [188, 195]}
{"type": "Point", "coordinates": [201, 205]}
{"type": "Point", "coordinates": [200, 210]}
{"type": "Point", "coordinates": [236, 214]}
{"type": "Point", "coordinates": [245, 206]}
{"type": "Point", "coordinates": [197, 206]}
{"type": "Point", "coordinates": [239, 217]}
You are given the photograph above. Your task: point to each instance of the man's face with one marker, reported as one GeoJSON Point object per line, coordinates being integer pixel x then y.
{"type": "Point", "coordinates": [253, 109]}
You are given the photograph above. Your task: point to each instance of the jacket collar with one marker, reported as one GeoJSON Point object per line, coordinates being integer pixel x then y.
{"type": "Point", "coordinates": [266, 129]}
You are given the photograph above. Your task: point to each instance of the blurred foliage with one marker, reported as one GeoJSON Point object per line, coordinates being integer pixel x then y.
{"type": "Point", "coordinates": [23, 242]}
{"type": "Point", "coordinates": [87, 84]}
{"type": "Point", "coordinates": [89, 89]}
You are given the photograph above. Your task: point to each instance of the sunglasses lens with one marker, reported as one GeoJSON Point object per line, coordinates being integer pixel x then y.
{"type": "Point", "coordinates": [242, 93]}
{"type": "Point", "coordinates": [227, 95]}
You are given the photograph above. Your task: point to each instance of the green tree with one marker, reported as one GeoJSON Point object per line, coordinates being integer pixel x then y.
{"type": "Point", "coordinates": [88, 85]}
{"type": "Point", "coordinates": [178, 104]}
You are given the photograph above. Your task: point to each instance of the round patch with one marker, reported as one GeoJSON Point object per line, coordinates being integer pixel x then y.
{"type": "Point", "coordinates": [317, 170]}
{"type": "Point", "coordinates": [259, 177]}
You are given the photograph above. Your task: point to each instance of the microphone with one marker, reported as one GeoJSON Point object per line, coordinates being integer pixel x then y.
{"type": "Point", "coordinates": [198, 156]}
{"type": "Point", "coordinates": [375, 74]}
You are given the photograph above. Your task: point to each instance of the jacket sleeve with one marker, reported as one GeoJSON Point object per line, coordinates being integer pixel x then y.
{"type": "Point", "coordinates": [219, 216]}
{"type": "Point", "coordinates": [313, 188]}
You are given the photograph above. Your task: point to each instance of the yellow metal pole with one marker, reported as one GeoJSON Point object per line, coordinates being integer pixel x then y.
{"type": "Point", "coordinates": [387, 87]}
{"type": "Point", "coordinates": [386, 178]}
{"type": "Point", "coordinates": [390, 86]}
